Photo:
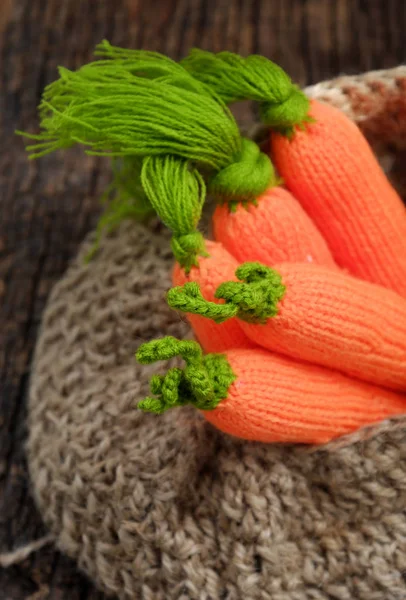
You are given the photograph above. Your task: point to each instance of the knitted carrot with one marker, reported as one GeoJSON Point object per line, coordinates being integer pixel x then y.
{"type": "Point", "coordinates": [213, 269]}
{"type": "Point", "coordinates": [325, 162]}
{"type": "Point", "coordinates": [314, 314]}
{"type": "Point", "coordinates": [255, 395]}
{"type": "Point", "coordinates": [270, 227]}
{"type": "Point", "coordinates": [273, 229]}
{"type": "Point", "coordinates": [331, 169]}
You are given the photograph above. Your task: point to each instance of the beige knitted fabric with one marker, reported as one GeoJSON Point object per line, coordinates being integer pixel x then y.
{"type": "Point", "coordinates": [167, 508]}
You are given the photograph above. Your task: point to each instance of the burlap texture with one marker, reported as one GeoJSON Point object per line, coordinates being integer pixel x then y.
{"type": "Point", "coordinates": [165, 508]}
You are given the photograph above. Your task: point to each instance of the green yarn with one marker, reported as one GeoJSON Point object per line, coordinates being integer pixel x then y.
{"type": "Point", "coordinates": [150, 65]}
{"type": "Point", "coordinates": [204, 381]}
{"type": "Point", "coordinates": [176, 191]}
{"type": "Point", "coordinates": [168, 387]}
{"type": "Point", "coordinates": [137, 103]}
{"type": "Point", "coordinates": [116, 108]}
{"type": "Point", "coordinates": [153, 63]}
{"type": "Point", "coordinates": [187, 248]}
{"type": "Point", "coordinates": [144, 108]}
{"type": "Point", "coordinates": [284, 117]}
{"type": "Point", "coordinates": [255, 298]}
{"type": "Point", "coordinates": [247, 177]}
{"type": "Point", "coordinates": [236, 78]}
{"type": "Point", "coordinates": [188, 298]}
{"type": "Point", "coordinates": [232, 77]}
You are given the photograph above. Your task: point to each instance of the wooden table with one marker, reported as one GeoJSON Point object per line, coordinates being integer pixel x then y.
{"type": "Point", "coordinates": [47, 207]}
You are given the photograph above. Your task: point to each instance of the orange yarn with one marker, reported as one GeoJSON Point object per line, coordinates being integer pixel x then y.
{"type": "Point", "coordinates": [276, 399]}
{"type": "Point", "coordinates": [212, 271]}
{"type": "Point", "coordinates": [274, 231]}
{"type": "Point", "coordinates": [333, 319]}
{"type": "Point", "coordinates": [332, 171]}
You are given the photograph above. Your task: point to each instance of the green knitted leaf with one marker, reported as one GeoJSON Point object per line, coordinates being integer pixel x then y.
{"type": "Point", "coordinates": [255, 298]}
{"type": "Point", "coordinates": [188, 298]}
{"type": "Point", "coordinates": [257, 294]}
{"type": "Point", "coordinates": [203, 382]}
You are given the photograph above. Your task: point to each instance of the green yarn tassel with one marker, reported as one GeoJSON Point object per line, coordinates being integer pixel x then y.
{"type": "Point", "coordinates": [138, 103]}
{"type": "Point", "coordinates": [144, 62]}
{"type": "Point", "coordinates": [177, 192]}
{"type": "Point", "coordinates": [282, 104]}
{"type": "Point", "coordinates": [255, 298]}
{"type": "Point", "coordinates": [204, 381]}
{"type": "Point", "coordinates": [144, 108]}
{"type": "Point", "coordinates": [126, 107]}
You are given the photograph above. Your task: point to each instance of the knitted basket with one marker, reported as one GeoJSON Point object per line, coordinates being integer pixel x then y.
{"type": "Point", "coordinates": [162, 508]}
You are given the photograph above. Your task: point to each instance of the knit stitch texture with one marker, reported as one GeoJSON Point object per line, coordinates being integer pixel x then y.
{"type": "Point", "coordinates": [166, 507]}
{"type": "Point", "coordinates": [255, 232]}
{"type": "Point", "coordinates": [351, 201]}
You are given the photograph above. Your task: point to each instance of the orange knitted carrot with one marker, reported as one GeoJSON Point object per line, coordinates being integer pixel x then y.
{"type": "Point", "coordinates": [274, 229]}
{"type": "Point", "coordinates": [332, 171]}
{"type": "Point", "coordinates": [213, 269]}
{"type": "Point", "coordinates": [255, 395]}
{"type": "Point", "coordinates": [314, 314]}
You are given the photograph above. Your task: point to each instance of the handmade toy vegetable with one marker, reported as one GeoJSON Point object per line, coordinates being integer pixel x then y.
{"type": "Point", "coordinates": [332, 171]}
{"type": "Point", "coordinates": [176, 136]}
{"type": "Point", "coordinates": [315, 314]}
{"type": "Point", "coordinates": [325, 162]}
{"type": "Point", "coordinates": [256, 395]}
{"type": "Point", "coordinates": [272, 229]}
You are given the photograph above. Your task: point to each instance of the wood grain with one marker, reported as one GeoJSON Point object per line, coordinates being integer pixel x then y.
{"type": "Point", "coordinates": [47, 207]}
